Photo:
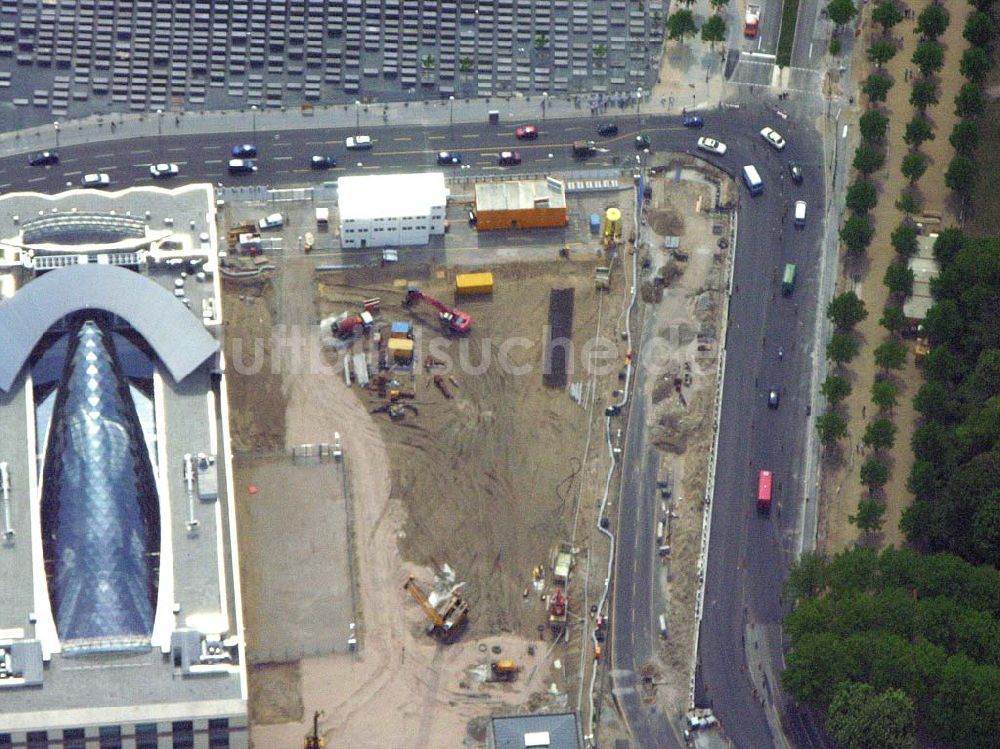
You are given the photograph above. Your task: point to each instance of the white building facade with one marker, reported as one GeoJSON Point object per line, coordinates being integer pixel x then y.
{"type": "Point", "coordinates": [391, 209]}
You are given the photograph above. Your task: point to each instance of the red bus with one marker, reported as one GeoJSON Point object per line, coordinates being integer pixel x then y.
{"type": "Point", "coordinates": [764, 491]}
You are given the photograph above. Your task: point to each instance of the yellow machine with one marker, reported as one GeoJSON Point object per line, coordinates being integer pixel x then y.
{"type": "Point", "coordinates": [314, 740]}
{"type": "Point", "coordinates": [447, 623]}
{"type": "Point", "coordinates": [612, 228]}
{"type": "Point", "coordinates": [505, 670]}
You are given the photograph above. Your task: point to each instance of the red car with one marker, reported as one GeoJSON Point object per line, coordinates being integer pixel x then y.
{"type": "Point", "coordinates": [526, 132]}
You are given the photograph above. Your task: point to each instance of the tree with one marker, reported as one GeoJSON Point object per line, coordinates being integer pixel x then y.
{"type": "Point", "coordinates": [913, 166]}
{"type": "Point", "coordinates": [868, 159]}
{"type": "Point", "coordinates": [541, 41]}
{"type": "Point", "coordinates": [884, 392]}
{"type": "Point", "coordinates": [969, 102]}
{"type": "Point", "coordinates": [880, 434]}
{"type": "Point", "coordinates": [918, 130]}
{"type": "Point", "coordinates": [600, 51]}
{"type": "Point", "coordinates": [835, 388]}
{"type": "Point", "coordinates": [841, 348]}
{"type": "Point", "coordinates": [929, 57]}
{"type": "Point", "coordinates": [907, 202]}
{"type": "Point", "coordinates": [836, 46]}
{"type": "Point", "coordinates": [841, 11]}
{"type": "Point", "coordinates": [870, 513]}
{"type": "Point", "coordinates": [876, 87]}
{"type": "Point", "coordinates": [873, 125]}
{"type": "Point", "coordinates": [861, 718]}
{"type": "Point", "coordinates": [713, 30]}
{"type": "Point", "coordinates": [807, 577]}
{"type": "Point", "coordinates": [904, 239]}
{"type": "Point", "coordinates": [948, 244]}
{"type": "Point", "coordinates": [892, 319]}
{"type": "Point", "coordinates": [428, 62]}
{"type": "Point", "coordinates": [881, 52]}
{"type": "Point", "coordinates": [979, 29]}
{"type": "Point", "coordinates": [923, 94]}
{"type": "Point", "coordinates": [874, 474]}
{"type": "Point", "coordinates": [846, 310]}
{"type": "Point", "coordinates": [898, 279]}
{"type": "Point", "coordinates": [975, 64]}
{"type": "Point", "coordinates": [964, 137]}
{"type": "Point", "coordinates": [861, 196]}
{"type": "Point", "coordinates": [886, 15]}
{"type": "Point", "coordinates": [856, 234]}
{"type": "Point", "coordinates": [681, 24]}
{"type": "Point", "coordinates": [465, 65]}
{"type": "Point", "coordinates": [831, 427]}
{"type": "Point", "coordinates": [717, 5]}
{"type": "Point", "coordinates": [932, 21]}
{"type": "Point", "coordinates": [960, 175]}
{"type": "Point", "coordinates": [890, 355]}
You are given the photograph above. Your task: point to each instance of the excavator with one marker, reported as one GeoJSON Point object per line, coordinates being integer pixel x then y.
{"type": "Point", "coordinates": [557, 612]}
{"type": "Point", "coordinates": [447, 623]}
{"type": "Point", "coordinates": [453, 318]}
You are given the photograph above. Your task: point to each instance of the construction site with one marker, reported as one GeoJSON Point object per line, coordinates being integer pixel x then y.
{"type": "Point", "coordinates": [440, 434]}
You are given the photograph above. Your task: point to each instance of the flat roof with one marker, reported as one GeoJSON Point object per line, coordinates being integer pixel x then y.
{"type": "Point", "coordinates": [925, 269]}
{"type": "Point", "coordinates": [520, 195]}
{"type": "Point", "coordinates": [558, 730]}
{"type": "Point", "coordinates": [376, 196]}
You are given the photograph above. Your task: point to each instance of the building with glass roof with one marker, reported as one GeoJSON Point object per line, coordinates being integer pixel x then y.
{"type": "Point", "coordinates": [121, 625]}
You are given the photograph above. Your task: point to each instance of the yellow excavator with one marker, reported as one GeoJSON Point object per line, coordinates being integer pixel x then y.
{"type": "Point", "coordinates": [447, 623]}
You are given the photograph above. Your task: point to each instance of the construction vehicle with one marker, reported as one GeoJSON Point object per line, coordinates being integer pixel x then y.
{"type": "Point", "coordinates": [453, 318]}
{"type": "Point", "coordinates": [602, 278]}
{"type": "Point", "coordinates": [447, 620]}
{"type": "Point", "coordinates": [397, 394]}
{"type": "Point", "coordinates": [584, 148]}
{"type": "Point", "coordinates": [439, 384]}
{"type": "Point", "coordinates": [396, 411]}
{"type": "Point", "coordinates": [751, 24]}
{"type": "Point", "coordinates": [562, 563]}
{"type": "Point", "coordinates": [433, 361]}
{"type": "Point", "coordinates": [314, 740]}
{"type": "Point", "coordinates": [346, 325]}
{"type": "Point", "coordinates": [505, 670]}
{"type": "Point", "coordinates": [558, 606]}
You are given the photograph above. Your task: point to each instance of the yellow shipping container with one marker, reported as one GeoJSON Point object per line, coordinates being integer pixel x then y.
{"type": "Point", "coordinates": [401, 349]}
{"type": "Point", "coordinates": [474, 283]}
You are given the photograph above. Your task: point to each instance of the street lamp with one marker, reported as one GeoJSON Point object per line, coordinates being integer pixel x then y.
{"type": "Point", "coordinates": [357, 116]}
{"type": "Point", "coordinates": [159, 123]}
{"type": "Point", "coordinates": [451, 112]}
{"type": "Point", "coordinates": [638, 99]}
{"type": "Point", "coordinates": [545, 99]}
{"type": "Point", "coordinates": [253, 115]}
{"type": "Point", "coordinates": [55, 125]}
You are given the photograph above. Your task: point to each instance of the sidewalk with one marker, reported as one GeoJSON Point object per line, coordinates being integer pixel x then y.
{"type": "Point", "coordinates": [436, 112]}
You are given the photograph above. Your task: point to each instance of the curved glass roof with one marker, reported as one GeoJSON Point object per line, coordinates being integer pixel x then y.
{"type": "Point", "coordinates": [177, 336]}
{"type": "Point", "coordinates": [100, 515]}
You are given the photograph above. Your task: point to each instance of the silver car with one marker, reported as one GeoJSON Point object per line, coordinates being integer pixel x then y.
{"type": "Point", "coordinates": [712, 146]}
{"type": "Point", "coordinates": [773, 137]}
{"type": "Point", "coordinates": [164, 170]}
{"type": "Point", "coordinates": [99, 179]}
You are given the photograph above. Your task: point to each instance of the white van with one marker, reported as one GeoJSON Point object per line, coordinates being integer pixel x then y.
{"type": "Point", "coordinates": [751, 178]}
{"type": "Point", "coordinates": [800, 213]}
{"type": "Point", "coordinates": [663, 626]}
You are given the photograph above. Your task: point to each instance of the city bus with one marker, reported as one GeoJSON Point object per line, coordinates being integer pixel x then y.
{"type": "Point", "coordinates": [764, 492]}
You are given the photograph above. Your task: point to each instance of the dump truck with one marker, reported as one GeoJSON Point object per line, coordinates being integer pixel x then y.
{"type": "Point", "coordinates": [751, 24]}
{"type": "Point", "coordinates": [584, 148]}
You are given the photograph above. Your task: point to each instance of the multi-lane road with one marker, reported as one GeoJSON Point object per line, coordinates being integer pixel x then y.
{"type": "Point", "coordinates": [749, 553]}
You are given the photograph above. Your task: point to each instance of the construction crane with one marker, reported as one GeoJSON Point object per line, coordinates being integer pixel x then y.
{"type": "Point", "coordinates": [456, 320]}
{"type": "Point", "coordinates": [446, 625]}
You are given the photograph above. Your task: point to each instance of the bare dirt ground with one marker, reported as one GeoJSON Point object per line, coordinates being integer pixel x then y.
{"type": "Point", "coordinates": [841, 481]}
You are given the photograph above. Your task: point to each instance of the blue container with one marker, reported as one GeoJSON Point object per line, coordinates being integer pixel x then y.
{"type": "Point", "coordinates": [595, 223]}
{"type": "Point", "coordinates": [401, 330]}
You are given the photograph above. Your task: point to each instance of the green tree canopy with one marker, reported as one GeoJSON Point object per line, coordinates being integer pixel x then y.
{"type": "Point", "coordinates": [890, 355]}
{"type": "Point", "coordinates": [923, 94]}
{"type": "Point", "coordinates": [873, 125]}
{"type": "Point", "coordinates": [907, 202]}
{"type": "Point", "coordinates": [979, 29]}
{"type": "Point", "coordinates": [871, 513]}
{"type": "Point", "coordinates": [831, 427]}
{"type": "Point", "coordinates": [904, 239]}
{"type": "Point", "coordinates": [886, 15]}
{"type": "Point", "coordinates": [918, 130]}
{"type": "Point", "coordinates": [928, 57]}
{"type": "Point", "coordinates": [960, 175]}
{"type": "Point", "coordinates": [964, 137]}
{"type": "Point", "coordinates": [841, 348]}
{"type": "Point", "coordinates": [880, 434]}
{"type": "Point", "coordinates": [861, 196]}
{"type": "Point", "coordinates": [713, 30]}
{"type": "Point", "coordinates": [868, 158]}
{"type": "Point", "coordinates": [856, 234]}
{"type": "Point", "coordinates": [681, 24]}
{"type": "Point", "coordinates": [975, 64]}
{"type": "Point", "coordinates": [881, 52]}
{"type": "Point", "coordinates": [969, 102]}
{"type": "Point", "coordinates": [876, 87]}
{"type": "Point", "coordinates": [892, 318]}
{"type": "Point", "coordinates": [932, 21]}
{"type": "Point", "coordinates": [841, 11]}
{"type": "Point", "coordinates": [846, 310]}
{"type": "Point", "coordinates": [884, 392]}
{"type": "Point", "coordinates": [898, 279]}
{"type": "Point", "coordinates": [913, 166]}
{"type": "Point", "coordinates": [861, 718]}
{"type": "Point", "coordinates": [948, 244]}
{"type": "Point", "coordinates": [835, 388]}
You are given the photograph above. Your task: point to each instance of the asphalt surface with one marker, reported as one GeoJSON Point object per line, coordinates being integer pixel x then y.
{"type": "Point", "coordinates": [749, 554]}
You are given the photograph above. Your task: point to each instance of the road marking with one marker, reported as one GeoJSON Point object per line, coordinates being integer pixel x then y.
{"type": "Point", "coordinates": [65, 174]}
{"type": "Point", "coordinates": [145, 150]}
{"type": "Point", "coordinates": [5, 185]}
{"type": "Point", "coordinates": [374, 166]}
{"type": "Point", "coordinates": [470, 135]}
{"type": "Point", "coordinates": [174, 150]}
{"type": "Point", "coordinates": [402, 139]}
{"type": "Point", "coordinates": [282, 158]}
{"type": "Point", "coordinates": [762, 55]}
{"type": "Point", "coordinates": [104, 156]}
{"type": "Point", "coordinates": [435, 137]}
{"type": "Point", "coordinates": [213, 161]}
{"type": "Point", "coordinates": [39, 179]}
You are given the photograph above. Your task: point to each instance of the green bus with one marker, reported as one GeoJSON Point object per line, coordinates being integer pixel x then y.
{"type": "Point", "coordinates": [788, 280]}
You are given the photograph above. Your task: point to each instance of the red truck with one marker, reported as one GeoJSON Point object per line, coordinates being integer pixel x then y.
{"type": "Point", "coordinates": [764, 492]}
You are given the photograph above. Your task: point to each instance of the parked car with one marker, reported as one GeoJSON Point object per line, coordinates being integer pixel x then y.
{"type": "Point", "coordinates": [246, 151]}
{"type": "Point", "coordinates": [712, 146]}
{"type": "Point", "coordinates": [96, 180]}
{"type": "Point", "coordinates": [796, 171]}
{"type": "Point", "coordinates": [693, 120]}
{"type": "Point", "coordinates": [509, 158]}
{"type": "Point", "coordinates": [359, 143]}
{"type": "Point", "coordinates": [641, 142]}
{"type": "Point", "coordinates": [526, 132]}
{"type": "Point", "coordinates": [43, 158]}
{"type": "Point", "coordinates": [472, 218]}
{"type": "Point", "coordinates": [323, 162]}
{"type": "Point", "coordinates": [449, 158]}
{"type": "Point", "coordinates": [158, 171]}
{"type": "Point", "coordinates": [242, 166]}
{"type": "Point", "coordinates": [772, 398]}
{"type": "Point", "coordinates": [608, 129]}
{"type": "Point", "coordinates": [274, 221]}
{"type": "Point", "coordinates": [773, 137]}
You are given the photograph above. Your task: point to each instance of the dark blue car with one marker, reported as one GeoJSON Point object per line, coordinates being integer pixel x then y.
{"type": "Point", "coordinates": [246, 151]}
{"type": "Point", "coordinates": [693, 120]}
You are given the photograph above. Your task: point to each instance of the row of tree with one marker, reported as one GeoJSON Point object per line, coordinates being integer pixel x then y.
{"type": "Point", "coordinates": [681, 23]}
{"type": "Point", "coordinates": [896, 643]}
